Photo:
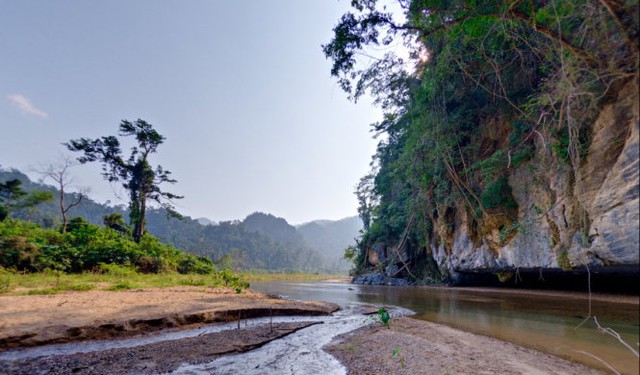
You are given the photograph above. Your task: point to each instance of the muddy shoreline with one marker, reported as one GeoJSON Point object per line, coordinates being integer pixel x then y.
{"type": "Point", "coordinates": [160, 357]}
{"type": "Point", "coordinates": [27, 321]}
{"type": "Point", "coordinates": [411, 346]}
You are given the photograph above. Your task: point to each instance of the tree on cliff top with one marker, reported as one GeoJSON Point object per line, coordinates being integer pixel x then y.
{"type": "Point", "coordinates": [536, 71]}
{"type": "Point", "coordinates": [135, 173]}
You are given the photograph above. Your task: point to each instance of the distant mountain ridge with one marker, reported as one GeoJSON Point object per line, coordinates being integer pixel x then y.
{"type": "Point", "coordinates": [260, 241]}
{"type": "Point", "coordinates": [205, 221]}
{"type": "Point", "coordinates": [332, 237]}
{"type": "Point", "coordinates": [276, 228]}
{"type": "Point", "coordinates": [328, 237]}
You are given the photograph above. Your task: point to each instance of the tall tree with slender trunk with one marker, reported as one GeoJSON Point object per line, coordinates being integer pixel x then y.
{"type": "Point", "coordinates": [135, 173]}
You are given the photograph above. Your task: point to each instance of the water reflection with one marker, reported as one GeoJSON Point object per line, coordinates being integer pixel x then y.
{"type": "Point", "coordinates": [544, 322]}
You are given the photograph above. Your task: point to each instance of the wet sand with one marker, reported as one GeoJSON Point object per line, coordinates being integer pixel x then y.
{"type": "Point", "coordinates": [160, 357]}
{"type": "Point", "coordinates": [46, 319]}
{"type": "Point", "coordinates": [411, 346]}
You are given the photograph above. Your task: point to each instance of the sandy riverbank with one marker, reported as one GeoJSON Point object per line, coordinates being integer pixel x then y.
{"type": "Point", "coordinates": [411, 346]}
{"type": "Point", "coordinates": [45, 319]}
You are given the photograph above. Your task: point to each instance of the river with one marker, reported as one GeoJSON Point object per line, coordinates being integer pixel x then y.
{"type": "Point", "coordinates": [546, 321]}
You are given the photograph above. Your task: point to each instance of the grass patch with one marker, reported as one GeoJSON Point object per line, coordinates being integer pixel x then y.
{"type": "Point", "coordinates": [191, 281]}
{"type": "Point", "coordinates": [350, 347]}
{"type": "Point", "coordinates": [114, 280]}
{"type": "Point", "coordinates": [5, 280]}
{"type": "Point", "coordinates": [122, 285]}
{"type": "Point", "coordinates": [61, 289]}
{"type": "Point", "coordinates": [263, 277]}
{"type": "Point", "coordinates": [37, 292]}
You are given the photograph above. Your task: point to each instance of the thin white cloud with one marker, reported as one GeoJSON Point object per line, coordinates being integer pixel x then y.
{"type": "Point", "coordinates": [26, 106]}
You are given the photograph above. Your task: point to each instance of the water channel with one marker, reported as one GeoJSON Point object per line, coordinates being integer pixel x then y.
{"type": "Point", "coordinates": [545, 321]}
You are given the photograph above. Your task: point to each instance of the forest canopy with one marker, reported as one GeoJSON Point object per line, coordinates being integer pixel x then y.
{"type": "Point", "coordinates": [536, 72]}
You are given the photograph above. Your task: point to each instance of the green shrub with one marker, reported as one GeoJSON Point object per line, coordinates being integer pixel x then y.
{"type": "Point", "coordinates": [563, 260]}
{"type": "Point", "coordinates": [85, 247]}
{"type": "Point", "coordinates": [18, 253]}
{"type": "Point", "coordinates": [199, 281]}
{"type": "Point", "coordinates": [228, 278]}
{"type": "Point", "coordinates": [498, 194]}
{"type": "Point", "coordinates": [61, 258]}
{"type": "Point", "coordinates": [150, 264]}
{"type": "Point", "coordinates": [37, 292]}
{"type": "Point", "coordinates": [117, 270]}
{"type": "Point", "coordinates": [5, 280]}
{"type": "Point", "coordinates": [382, 316]}
{"type": "Point", "coordinates": [561, 145]}
{"type": "Point", "coordinates": [122, 285]}
{"type": "Point", "coordinates": [198, 265]}
{"type": "Point", "coordinates": [514, 227]}
{"type": "Point", "coordinates": [520, 156]}
{"type": "Point", "coordinates": [75, 287]}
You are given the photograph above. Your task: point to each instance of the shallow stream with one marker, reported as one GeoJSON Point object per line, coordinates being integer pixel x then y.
{"type": "Point", "coordinates": [546, 321]}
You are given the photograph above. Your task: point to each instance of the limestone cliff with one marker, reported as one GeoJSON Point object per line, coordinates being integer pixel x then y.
{"type": "Point", "coordinates": [564, 220]}
{"type": "Point", "coordinates": [561, 221]}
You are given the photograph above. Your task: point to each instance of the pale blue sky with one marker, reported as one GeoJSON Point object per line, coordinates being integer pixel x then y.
{"type": "Point", "coordinates": [241, 90]}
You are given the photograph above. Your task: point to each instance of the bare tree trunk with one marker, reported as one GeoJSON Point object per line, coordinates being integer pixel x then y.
{"type": "Point", "coordinates": [62, 208]}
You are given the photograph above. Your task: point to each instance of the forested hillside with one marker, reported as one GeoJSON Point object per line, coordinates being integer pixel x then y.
{"type": "Point", "coordinates": [326, 237]}
{"type": "Point", "coordinates": [509, 142]}
{"type": "Point", "coordinates": [332, 237]}
{"type": "Point", "coordinates": [240, 247]}
{"type": "Point", "coordinates": [276, 228]}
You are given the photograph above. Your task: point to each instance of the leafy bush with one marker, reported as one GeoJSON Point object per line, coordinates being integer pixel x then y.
{"type": "Point", "coordinates": [123, 285]}
{"type": "Point", "coordinates": [561, 145]}
{"type": "Point", "coordinates": [382, 316]}
{"type": "Point", "coordinates": [117, 270]}
{"type": "Point", "coordinates": [150, 264]}
{"type": "Point", "coordinates": [5, 280]}
{"type": "Point", "coordinates": [521, 156]}
{"type": "Point", "coordinates": [498, 194]}
{"type": "Point", "coordinates": [228, 278]}
{"type": "Point", "coordinates": [193, 264]}
{"type": "Point", "coordinates": [102, 250]}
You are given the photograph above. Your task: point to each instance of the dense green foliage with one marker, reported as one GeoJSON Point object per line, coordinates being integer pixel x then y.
{"type": "Point", "coordinates": [242, 248]}
{"type": "Point", "coordinates": [490, 83]}
{"type": "Point", "coordinates": [27, 247]}
{"type": "Point", "coordinates": [276, 228]}
{"type": "Point", "coordinates": [111, 277]}
{"type": "Point", "coordinates": [135, 173]}
{"type": "Point", "coordinates": [47, 214]}
{"type": "Point", "coordinates": [12, 196]}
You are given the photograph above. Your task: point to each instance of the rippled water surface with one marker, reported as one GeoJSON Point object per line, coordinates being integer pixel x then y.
{"type": "Point", "coordinates": [298, 353]}
{"type": "Point", "coordinates": [543, 321]}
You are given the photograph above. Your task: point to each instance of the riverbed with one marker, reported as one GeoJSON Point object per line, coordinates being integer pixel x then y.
{"type": "Point", "coordinates": [551, 322]}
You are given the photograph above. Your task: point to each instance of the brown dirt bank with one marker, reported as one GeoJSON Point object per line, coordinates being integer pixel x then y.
{"type": "Point", "coordinates": [411, 347]}
{"type": "Point", "coordinates": [155, 358]}
{"type": "Point", "coordinates": [45, 319]}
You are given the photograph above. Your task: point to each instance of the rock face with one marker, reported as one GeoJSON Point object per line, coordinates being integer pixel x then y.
{"type": "Point", "coordinates": [380, 279]}
{"type": "Point", "coordinates": [567, 217]}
